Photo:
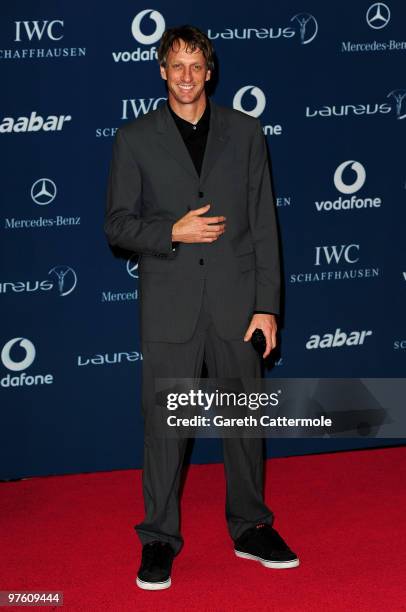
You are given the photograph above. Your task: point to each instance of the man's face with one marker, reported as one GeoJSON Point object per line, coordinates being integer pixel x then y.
{"type": "Point", "coordinates": [185, 73]}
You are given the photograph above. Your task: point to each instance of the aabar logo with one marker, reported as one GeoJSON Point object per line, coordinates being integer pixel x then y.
{"type": "Point", "coordinates": [34, 123]}
{"type": "Point", "coordinates": [337, 339]}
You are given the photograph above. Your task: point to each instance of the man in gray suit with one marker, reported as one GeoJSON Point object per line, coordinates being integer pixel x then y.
{"type": "Point", "coordinates": [190, 191]}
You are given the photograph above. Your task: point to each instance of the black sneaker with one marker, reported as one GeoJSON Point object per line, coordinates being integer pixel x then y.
{"type": "Point", "coordinates": [264, 544]}
{"type": "Point", "coordinates": [155, 571]}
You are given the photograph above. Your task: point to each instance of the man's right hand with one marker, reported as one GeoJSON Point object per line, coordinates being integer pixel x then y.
{"type": "Point", "coordinates": [194, 228]}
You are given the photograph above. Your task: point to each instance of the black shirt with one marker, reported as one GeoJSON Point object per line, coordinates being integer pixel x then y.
{"type": "Point", "coordinates": [194, 136]}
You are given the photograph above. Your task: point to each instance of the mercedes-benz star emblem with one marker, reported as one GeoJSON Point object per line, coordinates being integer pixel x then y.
{"type": "Point", "coordinates": [378, 15]}
{"type": "Point", "coordinates": [43, 191]}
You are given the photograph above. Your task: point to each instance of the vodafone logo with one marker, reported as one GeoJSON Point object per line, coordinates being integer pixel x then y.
{"type": "Point", "coordinates": [356, 171]}
{"type": "Point", "coordinates": [359, 178]}
{"type": "Point", "coordinates": [25, 350]}
{"type": "Point", "coordinates": [139, 26]}
{"type": "Point", "coordinates": [23, 364]}
{"type": "Point", "coordinates": [148, 39]}
{"type": "Point", "coordinates": [250, 91]}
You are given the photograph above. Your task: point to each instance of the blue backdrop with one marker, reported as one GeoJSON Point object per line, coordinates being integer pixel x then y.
{"type": "Point", "coordinates": [329, 88]}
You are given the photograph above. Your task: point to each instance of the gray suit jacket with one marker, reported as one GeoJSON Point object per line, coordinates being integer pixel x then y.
{"type": "Point", "coordinates": [153, 182]}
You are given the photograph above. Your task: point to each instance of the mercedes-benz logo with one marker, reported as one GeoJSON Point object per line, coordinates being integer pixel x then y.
{"type": "Point", "coordinates": [43, 191]}
{"type": "Point", "coordinates": [132, 266]}
{"type": "Point", "coordinates": [378, 15]}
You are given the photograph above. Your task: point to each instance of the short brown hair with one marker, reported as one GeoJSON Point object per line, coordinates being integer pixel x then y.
{"type": "Point", "coordinates": [193, 38]}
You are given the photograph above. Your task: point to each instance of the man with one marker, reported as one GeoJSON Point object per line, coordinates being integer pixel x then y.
{"type": "Point", "coordinates": [189, 190]}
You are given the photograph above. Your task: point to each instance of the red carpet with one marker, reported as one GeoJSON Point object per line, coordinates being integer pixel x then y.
{"type": "Point", "coordinates": [343, 513]}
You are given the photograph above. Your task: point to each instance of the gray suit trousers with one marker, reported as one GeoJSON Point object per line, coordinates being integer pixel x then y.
{"type": "Point", "coordinates": [163, 457]}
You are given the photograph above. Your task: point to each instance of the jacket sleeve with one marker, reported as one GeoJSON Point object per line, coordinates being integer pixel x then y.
{"type": "Point", "coordinates": [262, 220]}
{"type": "Point", "coordinates": [123, 222]}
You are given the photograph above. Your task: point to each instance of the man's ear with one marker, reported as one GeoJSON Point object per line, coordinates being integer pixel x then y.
{"type": "Point", "coordinates": [208, 75]}
{"type": "Point", "coordinates": [163, 72]}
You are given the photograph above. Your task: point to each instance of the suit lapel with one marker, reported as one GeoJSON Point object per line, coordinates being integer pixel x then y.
{"type": "Point", "coordinates": [172, 141]}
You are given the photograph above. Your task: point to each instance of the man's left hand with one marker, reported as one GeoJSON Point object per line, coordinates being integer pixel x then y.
{"type": "Point", "coordinates": [266, 322]}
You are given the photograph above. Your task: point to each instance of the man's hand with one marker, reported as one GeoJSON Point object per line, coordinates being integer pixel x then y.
{"type": "Point", "coordinates": [194, 228]}
{"type": "Point", "coordinates": [266, 322]}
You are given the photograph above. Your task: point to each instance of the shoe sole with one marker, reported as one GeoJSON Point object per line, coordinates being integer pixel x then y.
{"type": "Point", "coordinates": [153, 586]}
{"type": "Point", "coordinates": [265, 563]}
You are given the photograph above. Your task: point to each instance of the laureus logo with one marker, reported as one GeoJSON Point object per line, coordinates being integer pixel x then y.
{"type": "Point", "coordinates": [132, 266]}
{"type": "Point", "coordinates": [398, 95]}
{"type": "Point", "coordinates": [308, 27]}
{"type": "Point", "coordinates": [305, 23]}
{"type": "Point", "coordinates": [66, 279]}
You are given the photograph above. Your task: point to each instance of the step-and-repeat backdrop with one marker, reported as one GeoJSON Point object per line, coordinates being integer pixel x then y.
{"type": "Point", "coordinates": [327, 81]}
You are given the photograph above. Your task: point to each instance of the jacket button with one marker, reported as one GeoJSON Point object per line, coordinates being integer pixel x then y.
{"type": "Point", "coordinates": [201, 194]}
{"type": "Point", "coordinates": [201, 262]}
